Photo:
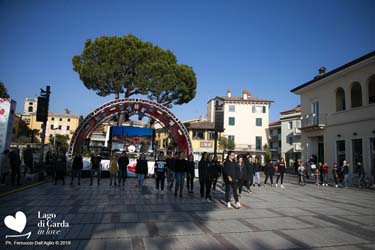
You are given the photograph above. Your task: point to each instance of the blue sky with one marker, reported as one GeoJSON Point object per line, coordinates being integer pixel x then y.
{"type": "Point", "coordinates": [267, 47]}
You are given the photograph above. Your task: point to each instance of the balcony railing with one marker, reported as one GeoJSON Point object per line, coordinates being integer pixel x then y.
{"type": "Point", "coordinates": [246, 147]}
{"type": "Point", "coordinates": [274, 149]}
{"type": "Point", "coordinates": [314, 121]}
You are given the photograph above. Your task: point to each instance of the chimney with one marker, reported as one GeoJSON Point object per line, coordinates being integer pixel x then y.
{"type": "Point", "coordinates": [229, 93]}
{"type": "Point", "coordinates": [322, 70]}
{"type": "Point", "coordinates": [245, 94]}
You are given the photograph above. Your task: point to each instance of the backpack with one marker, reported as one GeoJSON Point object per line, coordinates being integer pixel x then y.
{"type": "Point", "coordinates": [276, 168]}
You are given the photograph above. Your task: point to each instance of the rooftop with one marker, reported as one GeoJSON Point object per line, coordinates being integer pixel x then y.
{"type": "Point", "coordinates": [325, 75]}
{"type": "Point", "coordinates": [246, 96]}
{"type": "Point", "coordinates": [201, 125]}
{"type": "Point", "coordinates": [276, 123]}
{"type": "Point", "coordinates": [293, 110]}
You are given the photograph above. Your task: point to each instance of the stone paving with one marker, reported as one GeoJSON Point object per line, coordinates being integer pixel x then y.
{"type": "Point", "coordinates": [120, 217]}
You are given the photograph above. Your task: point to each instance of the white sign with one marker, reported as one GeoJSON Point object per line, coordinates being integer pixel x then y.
{"type": "Point", "coordinates": [7, 112]}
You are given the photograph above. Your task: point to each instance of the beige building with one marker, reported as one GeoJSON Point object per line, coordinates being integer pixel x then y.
{"type": "Point", "coordinates": [246, 120]}
{"type": "Point", "coordinates": [62, 124]}
{"type": "Point", "coordinates": [338, 115]}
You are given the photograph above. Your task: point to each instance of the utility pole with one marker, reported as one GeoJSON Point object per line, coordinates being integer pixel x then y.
{"type": "Point", "coordinates": [42, 115]}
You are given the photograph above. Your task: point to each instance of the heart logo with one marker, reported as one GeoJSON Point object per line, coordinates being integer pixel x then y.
{"type": "Point", "coordinates": [17, 223]}
{"type": "Point", "coordinates": [2, 111]}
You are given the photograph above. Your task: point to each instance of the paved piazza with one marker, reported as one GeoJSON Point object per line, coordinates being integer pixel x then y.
{"type": "Point", "coordinates": [108, 217]}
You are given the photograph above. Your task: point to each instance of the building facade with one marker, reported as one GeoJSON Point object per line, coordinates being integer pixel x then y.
{"type": "Point", "coordinates": [338, 115]}
{"type": "Point", "coordinates": [291, 135]}
{"type": "Point", "coordinates": [274, 140]}
{"type": "Point", "coordinates": [246, 120]}
{"type": "Point", "coordinates": [201, 133]}
{"type": "Point", "coordinates": [57, 123]}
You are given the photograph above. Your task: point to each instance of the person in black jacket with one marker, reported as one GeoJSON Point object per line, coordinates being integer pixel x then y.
{"type": "Point", "coordinates": [250, 171]}
{"type": "Point", "coordinates": [141, 171]}
{"type": "Point", "coordinates": [281, 171]}
{"type": "Point", "coordinates": [179, 172]}
{"type": "Point", "coordinates": [257, 169]}
{"type": "Point", "coordinates": [77, 166]}
{"type": "Point", "coordinates": [268, 171]}
{"type": "Point", "coordinates": [15, 164]}
{"type": "Point", "coordinates": [204, 177]}
{"type": "Point", "coordinates": [190, 173]}
{"type": "Point", "coordinates": [123, 162]}
{"type": "Point", "coordinates": [28, 159]}
{"type": "Point", "coordinates": [216, 172]}
{"type": "Point", "coordinates": [171, 162]}
{"type": "Point", "coordinates": [160, 172]}
{"type": "Point", "coordinates": [242, 174]}
{"type": "Point", "coordinates": [231, 176]}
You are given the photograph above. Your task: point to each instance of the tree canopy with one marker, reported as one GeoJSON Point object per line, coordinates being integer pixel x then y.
{"type": "Point", "coordinates": [114, 65]}
{"type": "Point", "coordinates": [3, 91]}
{"type": "Point", "coordinates": [226, 144]}
{"type": "Point", "coordinates": [59, 142]}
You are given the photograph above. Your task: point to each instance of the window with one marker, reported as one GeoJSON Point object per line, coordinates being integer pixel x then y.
{"type": "Point", "coordinates": [258, 142]}
{"type": "Point", "coordinates": [258, 122]}
{"type": "Point", "coordinates": [68, 119]}
{"type": "Point", "coordinates": [210, 135]}
{"type": "Point", "coordinates": [340, 152]}
{"type": "Point", "coordinates": [60, 119]}
{"type": "Point", "coordinates": [52, 118]}
{"type": "Point", "coordinates": [357, 154]}
{"type": "Point", "coordinates": [231, 121]}
{"type": "Point", "coordinates": [59, 127]}
{"type": "Point", "coordinates": [51, 126]}
{"type": "Point", "coordinates": [290, 140]}
{"type": "Point", "coordinates": [198, 135]}
{"type": "Point", "coordinates": [356, 95]}
{"type": "Point", "coordinates": [30, 103]}
{"type": "Point", "coordinates": [315, 111]}
{"type": "Point", "coordinates": [231, 138]}
{"type": "Point", "coordinates": [67, 127]}
{"type": "Point", "coordinates": [259, 109]}
{"type": "Point", "coordinates": [31, 109]}
{"type": "Point", "coordinates": [232, 108]}
{"type": "Point", "coordinates": [290, 125]}
{"type": "Point", "coordinates": [371, 89]}
{"type": "Point", "coordinates": [340, 99]}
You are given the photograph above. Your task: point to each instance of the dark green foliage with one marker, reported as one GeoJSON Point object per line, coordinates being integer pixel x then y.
{"type": "Point", "coordinates": [226, 144]}
{"type": "Point", "coordinates": [3, 91]}
{"type": "Point", "coordinates": [114, 65]}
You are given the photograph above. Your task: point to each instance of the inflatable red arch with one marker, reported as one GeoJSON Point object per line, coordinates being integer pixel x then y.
{"type": "Point", "coordinates": [132, 106]}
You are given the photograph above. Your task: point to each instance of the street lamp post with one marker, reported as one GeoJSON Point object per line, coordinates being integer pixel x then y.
{"type": "Point", "coordinates": [219, 121]}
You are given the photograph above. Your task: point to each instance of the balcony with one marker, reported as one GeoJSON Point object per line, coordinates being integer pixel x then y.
{"type": "Point", "coordinates": [296, 131]}
{"type": "Point", "coordinates": [314, 121]}
{"type": "Point", "coordinates": [297, 147]}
